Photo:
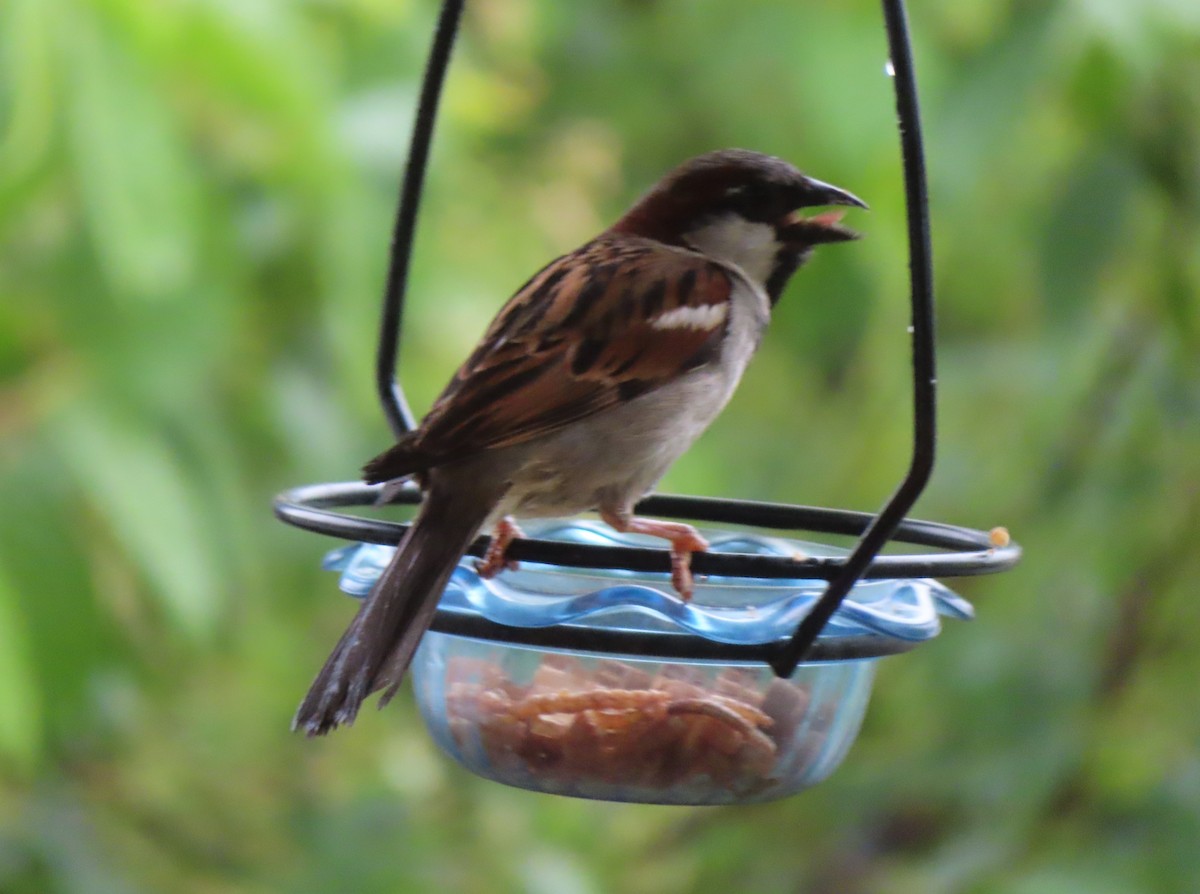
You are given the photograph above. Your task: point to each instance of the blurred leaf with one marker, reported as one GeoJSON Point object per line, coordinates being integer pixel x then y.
{"type": "Point", "coordinates": [1087, 223]}
{"type": "Point", "coordinates": [992, 93]}
{"type": "Point", "coordinates": [131, 167]}
{"type": "Point", "coordinates": [25, 87]}
{"type": "Point", "coordinates": [20, 708]}
{"type": "Point", "coordinates": [139, 489]}
{"type": "Point", "coordinates": [546, 872]}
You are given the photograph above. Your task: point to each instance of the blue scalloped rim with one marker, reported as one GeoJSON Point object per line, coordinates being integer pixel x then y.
{"type": "Point", "coordinates": [726, 610]}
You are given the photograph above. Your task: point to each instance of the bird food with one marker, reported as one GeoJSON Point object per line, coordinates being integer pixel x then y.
{"type": "Point", "coordinates": [588, 731]}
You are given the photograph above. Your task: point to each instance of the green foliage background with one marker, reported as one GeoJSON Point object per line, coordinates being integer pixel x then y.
{"type": "Point", "coordinates": [194, 209]}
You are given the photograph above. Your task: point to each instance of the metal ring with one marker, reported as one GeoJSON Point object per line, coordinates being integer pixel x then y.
{"type": "Point", "coordinates": [970, 552]}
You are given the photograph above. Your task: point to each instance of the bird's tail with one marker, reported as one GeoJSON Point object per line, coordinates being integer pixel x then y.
{"type": "Point", "coordinates": [377, 647]}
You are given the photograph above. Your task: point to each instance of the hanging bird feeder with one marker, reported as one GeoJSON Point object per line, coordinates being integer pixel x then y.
{"type": "Point", "coordinates": [581, 674]}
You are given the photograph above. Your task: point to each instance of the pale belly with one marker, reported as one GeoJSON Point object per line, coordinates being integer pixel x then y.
{"type": "Point", "coordinates": [611, 460]}
{"type": "Point", "coordinates": [614, 458]}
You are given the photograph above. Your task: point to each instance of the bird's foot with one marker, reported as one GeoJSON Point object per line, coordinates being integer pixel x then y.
{"type": "Point", "coordinates": [495, 560]}
{"type": "Point", "coordinates": [684, 540]}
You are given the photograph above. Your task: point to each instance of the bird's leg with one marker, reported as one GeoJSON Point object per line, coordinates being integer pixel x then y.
{"type": "Point", "coordinates": [494, 560]}
{"type": "Point", "coordinates": [684, 540]}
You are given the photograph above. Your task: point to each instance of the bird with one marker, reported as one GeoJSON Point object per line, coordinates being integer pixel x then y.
{"type": "Point", "coordinates": [595, 376]}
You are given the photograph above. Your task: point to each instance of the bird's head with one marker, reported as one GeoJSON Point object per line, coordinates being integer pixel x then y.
{"type": "Point", "coordinates": [743, 208]}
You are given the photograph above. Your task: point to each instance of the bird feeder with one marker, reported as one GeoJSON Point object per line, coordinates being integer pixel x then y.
{"type": "Point", "coordinates": [582, 674]}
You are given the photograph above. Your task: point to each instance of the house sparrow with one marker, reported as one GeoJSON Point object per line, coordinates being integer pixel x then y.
{"type": "Point", "coordinates": [592, 380]}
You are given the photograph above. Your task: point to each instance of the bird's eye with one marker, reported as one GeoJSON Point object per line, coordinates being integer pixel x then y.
{"type": "Point", "coordinates": [751, 201]}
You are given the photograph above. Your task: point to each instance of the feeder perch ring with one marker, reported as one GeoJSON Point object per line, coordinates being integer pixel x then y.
{"type": "Point", "coordinates": [964, 552]}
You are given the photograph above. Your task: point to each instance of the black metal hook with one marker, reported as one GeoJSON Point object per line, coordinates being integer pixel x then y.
{"type": "Point", "coordinates": [391, 395]}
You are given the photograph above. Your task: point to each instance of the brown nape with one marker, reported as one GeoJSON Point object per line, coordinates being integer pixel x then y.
{"type": "Point", "coordinates": [658, 216]}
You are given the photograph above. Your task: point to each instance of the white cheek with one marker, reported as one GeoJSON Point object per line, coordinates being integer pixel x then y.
{"type": "Point", "coordinates": [735, 240]}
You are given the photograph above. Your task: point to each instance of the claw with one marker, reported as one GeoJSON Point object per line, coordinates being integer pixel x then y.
{"type": "Point", "coordinates": [494, 560]}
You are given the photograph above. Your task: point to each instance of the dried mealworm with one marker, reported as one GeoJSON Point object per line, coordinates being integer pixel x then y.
{"type": "Point", "coordinates": [592, 700]}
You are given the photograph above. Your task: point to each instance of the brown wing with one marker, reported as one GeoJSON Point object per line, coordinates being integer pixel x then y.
{"type": "Point", "coordinates": [615, 319]}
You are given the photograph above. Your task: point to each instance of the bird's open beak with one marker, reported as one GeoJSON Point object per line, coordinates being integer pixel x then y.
{"type": "Point", "coordinates": [797, 229]}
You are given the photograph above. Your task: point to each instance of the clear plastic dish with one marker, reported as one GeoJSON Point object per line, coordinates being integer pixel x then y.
{"type": "Point", "coordinates": [642, 728]}
{"type": "Point", "coordinates": [635, 729]}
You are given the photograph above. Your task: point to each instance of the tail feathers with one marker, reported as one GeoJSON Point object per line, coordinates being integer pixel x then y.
{"type": "Point", "coordinates": [377, 647]}
{"type": "Point", "coordinates": [398, 461]}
